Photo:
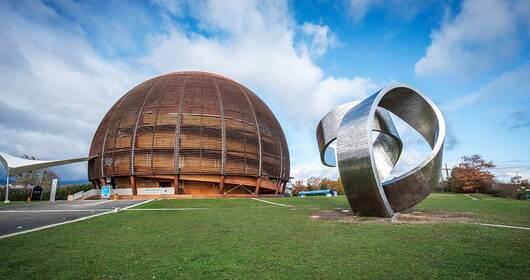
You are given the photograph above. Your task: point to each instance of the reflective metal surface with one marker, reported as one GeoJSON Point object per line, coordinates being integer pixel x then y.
{"type": "Point", "coordinates": [365, 160]}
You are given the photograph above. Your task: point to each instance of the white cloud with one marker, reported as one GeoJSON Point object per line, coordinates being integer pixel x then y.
{"type": "Point", "coordinates": [174, 7]}
{"type": "Point", "coordinates": [321, 38]}
{"type": "Point", "coordinates": [484, 34]}
{"type": "Point", "coordinates": [254, 43]}
{"type": "Point", "coordinates": [359, 8]}
{"type": "Point", "coordinates": [506, 169]}
{"type": "Point", "coordinates": [305, 171]}
{"type": "Point", "coordinates": [514, 82]}
{"type": "Point", "coordinates": [56, 88]}
{"type": "Point", "coordinates": [522, 9]}
{"type": "Point", "coordinates": [332, 91]}
{"type": "Point", "coordinates": [401, 9]}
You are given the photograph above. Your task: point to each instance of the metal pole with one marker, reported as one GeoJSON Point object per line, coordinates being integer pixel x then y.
{"type": "Point", "coordinates": [7, 187]}
{"type": "Point", "coordinates": [446, 176]}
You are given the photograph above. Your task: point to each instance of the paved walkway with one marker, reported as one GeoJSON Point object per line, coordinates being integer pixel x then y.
{"type": "Point", "coordinates": [24, 217]}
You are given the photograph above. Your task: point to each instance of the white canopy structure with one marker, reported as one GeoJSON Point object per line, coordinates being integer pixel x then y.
{"type": "Point", "coordinates": [15, 165]}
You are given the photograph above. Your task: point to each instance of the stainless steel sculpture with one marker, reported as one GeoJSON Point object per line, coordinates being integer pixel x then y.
{"type": "Point", "coordinates": [369, 146]}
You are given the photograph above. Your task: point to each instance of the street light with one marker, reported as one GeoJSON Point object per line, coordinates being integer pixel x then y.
{"type": "Point", "coordinates": [7, 187]}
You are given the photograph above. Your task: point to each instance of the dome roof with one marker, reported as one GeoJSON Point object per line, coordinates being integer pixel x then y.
{"type": "Point", "coordinates": [189, 123]}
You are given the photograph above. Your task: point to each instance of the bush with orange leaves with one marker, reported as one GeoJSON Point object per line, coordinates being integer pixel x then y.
{"type": "Point", "coordinates": [472, 175]}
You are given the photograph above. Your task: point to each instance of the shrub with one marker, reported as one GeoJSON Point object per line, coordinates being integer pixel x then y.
{"type": "Point", "coordinates": [506, 190]}
{"type": "Point", "coordinates": [63, 192]}
{"type": "Point", "coordinates": [522, 194]}
{"type": "Point", "coordinates": [16, 194]}
{"type": "Point", "coordinates": [21, 194]}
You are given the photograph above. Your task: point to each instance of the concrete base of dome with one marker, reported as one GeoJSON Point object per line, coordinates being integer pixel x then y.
{"type": "Point", "coordinates": [191, 186]}
{"type": "Point", "coordinates": [184, 196]}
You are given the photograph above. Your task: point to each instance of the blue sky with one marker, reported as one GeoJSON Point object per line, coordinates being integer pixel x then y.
{"type": "Point", "coordinates": [64, 63]}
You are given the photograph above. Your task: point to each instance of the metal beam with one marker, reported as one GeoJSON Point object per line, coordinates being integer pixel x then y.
{"type": "Point", "coordinates": [176, 184]}
{"type": "Point", "coordinates": [135, 130]}
{"type": "Point", "coordinates": [223, 129]}
{"type": "Point", "coordinates": [133, 184]}
{"type": "Point", "coordinates": [257, 128]}
{"type": "Point", "coordinates": [221, 184]}
{"type": "Point", "coordinates": [258, 184]}
{"type": "Point", "coordinates": [176, 151]}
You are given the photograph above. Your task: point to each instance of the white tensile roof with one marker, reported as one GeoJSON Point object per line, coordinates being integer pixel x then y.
{"type": "Point", "coordinates": [16, 165]}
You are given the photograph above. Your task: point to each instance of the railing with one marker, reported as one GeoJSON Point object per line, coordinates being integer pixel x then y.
{"type": "Point", "coordinates": [83, 194]}
{"type": "Point", "coordinates": [90, 193]}
{"type": "Point", "coordinates": [78, 195]}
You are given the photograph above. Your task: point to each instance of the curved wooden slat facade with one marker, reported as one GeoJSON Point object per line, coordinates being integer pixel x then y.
{"type": "Point", "coordinates": [198, 132]}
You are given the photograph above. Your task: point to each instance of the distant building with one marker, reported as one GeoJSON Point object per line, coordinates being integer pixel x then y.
{"type": "Point", "coordinates": [190, 133]}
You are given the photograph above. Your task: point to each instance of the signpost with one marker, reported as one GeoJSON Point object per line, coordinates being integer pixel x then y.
{"type": "Point", "coordinates": [105, 192]}
{"type": "Point", "coordinates": [156, 191]}
{"type": "Point", "coordinates": [53, 190]}
{"type": "Point", "coordinates": [36, 193]}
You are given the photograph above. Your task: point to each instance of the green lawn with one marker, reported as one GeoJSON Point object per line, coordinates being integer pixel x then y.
{"type": "Point", "coordinates": [488, 209]}
{"type": "Point", "coordinates": [14, 202]}
{"type": "Point", "coordinates": [248, 239]}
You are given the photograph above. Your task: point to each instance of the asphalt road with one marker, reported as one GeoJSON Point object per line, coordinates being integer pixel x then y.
{"type": "Point", "coordinates": [17, 218]}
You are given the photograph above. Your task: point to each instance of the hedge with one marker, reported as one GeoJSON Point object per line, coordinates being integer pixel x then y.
{"type": "Point", "coordinates": [61, 193]}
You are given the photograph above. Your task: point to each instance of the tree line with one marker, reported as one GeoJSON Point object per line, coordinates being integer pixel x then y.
{"type": "Point", "coordinates": [316, 183]}
{"type": "Point", "coordinates": [472, 175]}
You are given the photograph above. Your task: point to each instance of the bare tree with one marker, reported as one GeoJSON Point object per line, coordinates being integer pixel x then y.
{"type": "Point", "coordinates": [298, 186]}
{"type": "Point", "coordinates": [313, 183]}
{"type": "Point", "coordinates": [43, 179]}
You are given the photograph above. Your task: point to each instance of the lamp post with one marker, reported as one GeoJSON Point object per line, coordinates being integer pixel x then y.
{"type": "Point", "coordinates": [7, 187]}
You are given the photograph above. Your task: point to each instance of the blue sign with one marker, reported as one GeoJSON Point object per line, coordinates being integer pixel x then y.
{"type": "Point", "coordinates": [105, 192]}
{"type": "Point", "coordinates": [318, 193]}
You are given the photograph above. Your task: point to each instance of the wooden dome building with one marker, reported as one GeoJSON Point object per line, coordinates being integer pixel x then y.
{"type": "Point", "coordinates": [190, 133]}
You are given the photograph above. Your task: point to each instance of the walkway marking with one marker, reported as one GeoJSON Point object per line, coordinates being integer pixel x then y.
{"type": "Point", "coordinates": [472, 197]}
{"type": "Point", "coordinates": [196, 208]}
{"type": "Point", "coordinates": [109, 211]}
{"type": "Point", "coordinates": [134, 205]}
{"type": "Point", "coordinates": [55, 210]}
{"type": "Point", "coordinates": [266, 201]}
{"type": "Point", "coordinates": [502, 226]}
{"type": "Point", "coordinates": [165, 209]}
{"type": "Point", "coordinates": [91, 203]}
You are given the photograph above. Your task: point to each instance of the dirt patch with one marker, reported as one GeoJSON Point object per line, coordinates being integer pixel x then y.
{"type": "Point", "coordinates": [433, 217]}
{"type": "Point", "coordinates": [413, 217]}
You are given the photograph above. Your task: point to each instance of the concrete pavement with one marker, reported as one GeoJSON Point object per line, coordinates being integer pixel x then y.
{"type": "Point", "coordinates": [23, 217]}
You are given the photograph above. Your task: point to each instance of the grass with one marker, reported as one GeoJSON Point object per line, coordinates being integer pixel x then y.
{"type": "Point", "coordinates": [488, 209]}
{"type": "Point", "coordinates": [14, 202]}
{"type": "Point", "coordinates": [248, 239]}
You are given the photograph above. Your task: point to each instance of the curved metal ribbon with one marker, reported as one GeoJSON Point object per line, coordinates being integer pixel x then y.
{"type": "Point", "coordinates": [364, 163]}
